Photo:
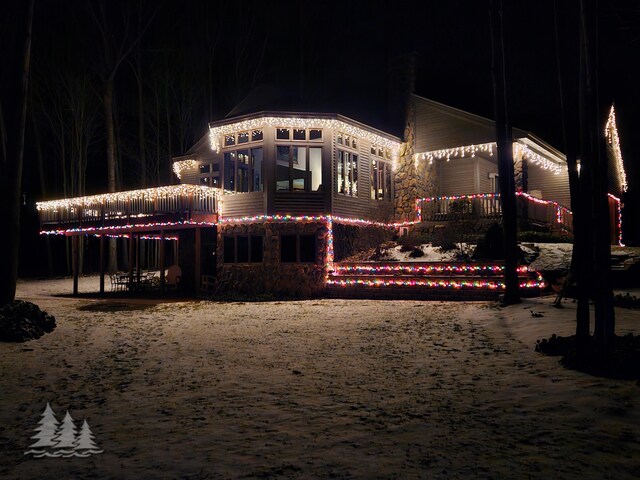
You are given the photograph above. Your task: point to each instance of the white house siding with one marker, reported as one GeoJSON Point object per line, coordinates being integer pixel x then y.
{"type": "Point", "coordinates": [553, 187]}
{"type": "Point", "coordinates": [457, 176]}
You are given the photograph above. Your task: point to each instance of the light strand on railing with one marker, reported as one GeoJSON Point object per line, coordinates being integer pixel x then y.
{"type": "Point", "coordinates": [558, 208]}
{"type": "Point", "coordinates": [115, 228]}
{"type": "Point", "coordinates": [619, 218]}
{"type": "Point", "coordinates": [294, 122]}
{"type": "Point", "coordinates": [611, 132]}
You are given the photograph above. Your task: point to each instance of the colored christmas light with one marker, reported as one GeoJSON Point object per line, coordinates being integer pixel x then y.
{"type": "Point", "coordinates": [423, 269]}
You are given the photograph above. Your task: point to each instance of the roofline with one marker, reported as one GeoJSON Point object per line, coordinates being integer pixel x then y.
{"type": "Point", "coordinates": [530, 138]}
{"type": "Point", "coordinates": [517, 132]}
{"type": "Point", "coordinates": [320, 115]}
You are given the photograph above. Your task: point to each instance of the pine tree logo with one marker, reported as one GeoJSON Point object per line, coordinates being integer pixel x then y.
{"type": "Point", "coordinates": [62, 439]}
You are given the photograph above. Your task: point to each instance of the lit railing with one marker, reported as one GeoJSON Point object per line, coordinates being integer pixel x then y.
{"type": "Point", "coordinates": [179, 202]}
{"type": "Point", "coordinates": [487, 206]}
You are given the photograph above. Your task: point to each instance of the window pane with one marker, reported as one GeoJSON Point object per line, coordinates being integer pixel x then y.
{"type": "Point", "coordinates": [354, 175]}
{"type": "Point", "coordinates": [242, 249]}
{"type": "Point", "coordinates": [299, 134]}
{"type": "Point", "coordinates": [215, 182]}
{"type": "Point", "coordinates": [242, 176]}
{"type": "Point", "coordinates": [315, 134]}
{"type": "Point", "coordinates": [215, 167]}
{"type": "Point", "coordinates": [339, 138]}
{"type": "Point", "coordinates": [282, 168]}
{"type": "Point", "coordinates": [256, 154]}
{"type": "Point", "coordinates": [205, 168]}
{"type": "Point", "coordinates": [340, 172]}
{"type": "Point", "coordinates": [299, 168]}
{"type": "Point", "coordinates": [256, 135]}
{"type": "Point", "coordinates": [373, 149]}
{"type": "Point", "coordinates": [229, 249]}
{"type": "Point", "coordinates": [229, 171]}
{"type": "Point", "coordinates": [354, 143]}
{"type": "Point", "coordinates": [243, 137]}
{"type": "Point", "coordinates": [387, 176]}
{"type": "Point", "coordinates": [229, 140]}
{"type": "Point", "coordinates": [288, 248]}
{"type": "Point", "coordinates": [374, 180]}
{"type": "Point", "coordinates": [256, 249]}
{"type": "Point", "coordinates": [315, 168]}
{"type": "Point", "coordinates": [204, 180]}
{"type": "Point", "coordinates": [308, 248]}
{"type": "Point", "coordinates": [282, 134]}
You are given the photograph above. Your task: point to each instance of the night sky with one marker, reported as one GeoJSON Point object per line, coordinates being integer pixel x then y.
{"type": "Point", "coordinates": [196, 60]}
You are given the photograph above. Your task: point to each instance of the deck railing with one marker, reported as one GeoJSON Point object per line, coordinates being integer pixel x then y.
{"type": "Point", "coordinates": [487, 206]}
{"type": "Point", "coordinates": [178, 202]}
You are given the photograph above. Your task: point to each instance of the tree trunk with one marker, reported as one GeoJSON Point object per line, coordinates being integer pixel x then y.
{"type": "Point", "coordinates": [12, 161]}
{"type": "Point", "coordinates": [111, 163]}
{"type": "Point", "coordinates": [504, 140]}
{"type": "Point", "coordinates": [591, 123]}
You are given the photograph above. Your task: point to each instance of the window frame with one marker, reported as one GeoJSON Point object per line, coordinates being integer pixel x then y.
{"type": "Point", "coordinates": [307, 170]}
{"type": "Point", "coordinates": [298, 249]}
{"type": "Point", "coordinates": [383, 177]}
{"type": "Point", "coordinates": [251, 169]}
{"type": "Point", "coordinates": [341, 174]}
{"type": "Point", "coordinates": [251, 239]}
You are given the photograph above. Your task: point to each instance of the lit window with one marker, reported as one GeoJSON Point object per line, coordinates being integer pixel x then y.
{"type": "Point", "coordinates": [315, 134]}
{"type": "Point", "coordinates": [380, 180]}
{"type": "Point", "coordinates": [243, 170]}
{"type": "Point", "coordinates": [347, 173]}
{"type": "Point", "coordinates": [256, 135]}
{"type": "Point", "coordinates": [298, 168]}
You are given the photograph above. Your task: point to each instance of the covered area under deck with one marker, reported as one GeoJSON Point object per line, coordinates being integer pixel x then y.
{"type": "Point", "coordinates": [185, 214]}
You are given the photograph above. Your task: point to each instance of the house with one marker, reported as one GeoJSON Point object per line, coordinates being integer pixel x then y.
{"type": "Point", "coordinates": [261, 194]}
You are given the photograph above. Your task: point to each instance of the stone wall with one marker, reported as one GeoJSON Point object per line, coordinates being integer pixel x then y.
{"type": "Point", "coordinates": [413, 179]}
{"type": "Point", "coordinates": [272, 275]}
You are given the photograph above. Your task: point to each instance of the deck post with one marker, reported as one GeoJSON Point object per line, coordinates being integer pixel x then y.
{"type": "Point", "coordinates": [102, 264]}
{"type": "Point", "coordinates": [138, 260]}
{"type": "Point", "coordinates": [75, 255]}
{"type": "Point", "coordinates": [161, 262]}
{"type": "Point", "coordinates": [131, 247]}
{"type": "Point", "coordinates": [198, 266]}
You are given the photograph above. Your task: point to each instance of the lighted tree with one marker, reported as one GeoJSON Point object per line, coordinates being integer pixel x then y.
{"type": "Point", "coordinates": [46, 430]}
{"type": "Point", "coordinates": [85, 441]}
{"type": "Point", "coordinates": [66, 434]}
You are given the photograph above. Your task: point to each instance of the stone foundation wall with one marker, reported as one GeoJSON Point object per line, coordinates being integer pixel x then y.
{"type": "Point", "coordinates": [272, 275]}
{"type": "Point", "coordinates": [413, 179]}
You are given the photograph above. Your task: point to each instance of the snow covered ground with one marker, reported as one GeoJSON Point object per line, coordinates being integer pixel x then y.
{"type": "Point", "coordinates": [313, 389]}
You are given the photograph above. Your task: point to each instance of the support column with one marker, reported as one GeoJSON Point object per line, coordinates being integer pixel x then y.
{"type": "Point", "coordinates": [75, 255]}
{"type": "Point", "coordinates": [131, 247]}
{"type": "Point", "coordinates": [161, 262]}
{"type": "Point", "coordinates": [138, 259]}
{"type": "Point", "coordinates": [198, 264]}
{"type": "Point", "coordinates": [102, 264]}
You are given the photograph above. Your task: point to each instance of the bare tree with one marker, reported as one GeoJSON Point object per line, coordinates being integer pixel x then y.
{"type": "Point", "coordinates": [117, 42]}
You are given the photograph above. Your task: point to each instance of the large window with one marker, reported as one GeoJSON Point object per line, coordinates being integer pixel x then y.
{"type": "Point", "coordinates": [347, 173]}
{"type": "Point", "coordinates": [298, 248]}
{"type": "Point", "coordinates": [210, 174]}
{"type": "Point", "coordinates": [380, 180]}
{"type": "Point", "coordinates": [243, 170]}
{"type": "Point", "coordinates": [298, 168]}
{"type": "Point", "coordinates": [243, 248]}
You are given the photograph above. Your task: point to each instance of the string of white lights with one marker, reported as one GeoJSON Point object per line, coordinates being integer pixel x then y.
{"type": "Point", "coordinates": [611, 132]}
{"type": "Point", "coordinates": [472, 150]}
{"type": "Point", "coordinates": [215, 133]}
